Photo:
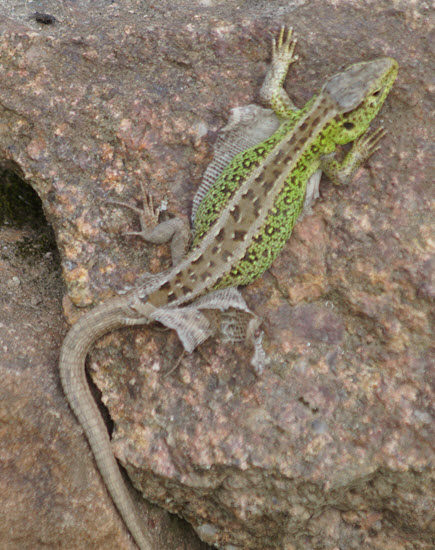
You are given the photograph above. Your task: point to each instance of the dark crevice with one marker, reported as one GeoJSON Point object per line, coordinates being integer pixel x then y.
{"type": "Point", "coordinates": [21, 208]}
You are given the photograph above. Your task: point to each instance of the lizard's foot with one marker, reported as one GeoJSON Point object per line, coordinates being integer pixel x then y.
{"type": "Point", "coordinates": [272, 92]}
{"type": "Point", "coordinates": [367, 144]}
{"type": "Point", "coordinates": [282, 53]}
{"type": "Point", "coordinates": [148, 215]}
{"type": "Point", "coordinates": [341, 173]}
{"type": "Point", "coordinates": [175, 230]}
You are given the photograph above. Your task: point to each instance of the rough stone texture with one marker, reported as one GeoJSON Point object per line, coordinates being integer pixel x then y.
{"type": "Point", "coordinates": [331, 447]}
{"type": "Point", "coordinates": [50, 493]}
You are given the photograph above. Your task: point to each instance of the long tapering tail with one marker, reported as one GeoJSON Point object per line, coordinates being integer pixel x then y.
{"type": "Point", "coordinates": [108, 316]}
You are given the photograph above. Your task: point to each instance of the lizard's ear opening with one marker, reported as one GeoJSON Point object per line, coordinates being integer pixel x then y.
{"type": "Point", "coordinates": [351, 127]}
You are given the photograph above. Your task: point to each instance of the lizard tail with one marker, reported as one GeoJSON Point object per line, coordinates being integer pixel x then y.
{"type": "Point", "coordinates": [109, 316]}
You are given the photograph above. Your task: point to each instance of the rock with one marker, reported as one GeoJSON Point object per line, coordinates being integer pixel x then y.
{"type": "Point", "coordinates": [332, 445]}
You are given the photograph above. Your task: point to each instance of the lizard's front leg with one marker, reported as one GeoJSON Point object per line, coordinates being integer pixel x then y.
{"type": "Point", "coordinates": [341, 173]}
{"type": "Point", "coordinates": [272, 92]}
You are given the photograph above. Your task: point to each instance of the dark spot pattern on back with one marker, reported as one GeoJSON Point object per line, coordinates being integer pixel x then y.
{"type": "Point", "coordinates": [257, 206]}
{"type": "Point", "coordinates": [198, 261]}
{"type": "Point", "coordinates": [235, 213]}
{"type": "Point", "coordinates": [239, 235]}
{"type": "Point", "coordinates": [171, 297]}
{"type": "Point", "coordinates": [267, 186]}
{"type": "Point", "coordinates": [166, 286]}
{"type": "Point", "coordinates": [221, 235]}
{"type": "Point", "coordinates": [186, 289]}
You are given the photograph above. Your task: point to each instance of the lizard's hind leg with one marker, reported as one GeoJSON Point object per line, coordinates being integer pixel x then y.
{"type": "Point", "coordinates": [176, 230]}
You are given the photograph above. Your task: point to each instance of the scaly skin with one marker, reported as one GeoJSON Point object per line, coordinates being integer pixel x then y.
{"type": "Point", "coordinates": [241, 225]}
{"type": "Point", "coordinates": [102, 319]}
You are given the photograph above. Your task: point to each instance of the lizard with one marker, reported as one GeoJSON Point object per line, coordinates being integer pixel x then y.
{"type": "Point", "coordinates": [258, 184]}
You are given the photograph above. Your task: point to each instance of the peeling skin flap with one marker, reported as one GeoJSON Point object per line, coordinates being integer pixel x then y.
{"type": "Point", "coordinates": [191, 325]}
{"type": "Point", "coordinates": [222, 299]}
{"type": "Point", "coordinates": [248, 126]}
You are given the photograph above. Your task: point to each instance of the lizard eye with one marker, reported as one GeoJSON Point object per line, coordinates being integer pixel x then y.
{"type": "Point", "coordinates": [377, 92]}
{"type": "Point", "coordinates": [349, 125]}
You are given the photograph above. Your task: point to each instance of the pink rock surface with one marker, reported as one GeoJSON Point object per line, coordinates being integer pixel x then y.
{"type": "Point", "coordinates": [332, 446]}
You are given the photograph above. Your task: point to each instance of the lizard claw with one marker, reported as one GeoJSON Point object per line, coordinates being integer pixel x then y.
{"type": "Point", "coordinates": [367, 144]}
{"type": "Point", "coordinates": [148, 214]}
{"type": "Point", "coordinates": [283, 51]}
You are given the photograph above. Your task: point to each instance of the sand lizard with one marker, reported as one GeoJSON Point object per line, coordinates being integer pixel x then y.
{"type": "Point", "coordinates": [252, 194]}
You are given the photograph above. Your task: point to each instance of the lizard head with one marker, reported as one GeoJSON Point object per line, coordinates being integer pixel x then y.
{"type": "Point", "coordinates": [359, 92]}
